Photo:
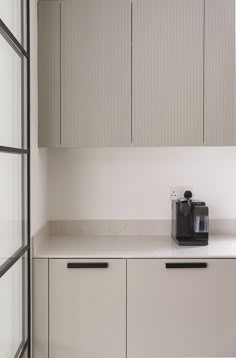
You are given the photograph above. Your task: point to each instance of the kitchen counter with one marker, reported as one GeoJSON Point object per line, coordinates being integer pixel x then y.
{"type": "Point", "coordinates": [131, 247]}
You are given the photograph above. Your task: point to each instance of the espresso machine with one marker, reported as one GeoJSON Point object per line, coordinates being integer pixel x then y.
{"type": "Point", "coordinates": [190, 221]}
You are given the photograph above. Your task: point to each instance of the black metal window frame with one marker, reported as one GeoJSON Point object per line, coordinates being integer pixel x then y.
{"type": "Point", "coordinates": [25, 347]}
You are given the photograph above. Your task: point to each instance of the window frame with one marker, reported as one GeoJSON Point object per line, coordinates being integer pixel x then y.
{"type": "Point", "coordinates": [25, 346]}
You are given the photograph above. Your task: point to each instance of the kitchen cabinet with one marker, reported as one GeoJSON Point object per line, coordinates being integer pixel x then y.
{"type": "Point", "coordinates": [87, 308]}
{"type": "Point", "coordinates": [40, 308]}
{"type": "Point", "coordinates": [181, 312]}
{"type": "Point", "coordinates": [96, 73]}
{"type": "Point", "coordinates": [220, 120]}
{"type": "Point", "coordinates": [49, 17]}
{"type": "Point", "coordinates": [140, 73]}
{"type": "Point", "coordinates": [167, 56]}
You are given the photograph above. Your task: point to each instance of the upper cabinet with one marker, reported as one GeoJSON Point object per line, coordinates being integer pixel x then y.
{"type": "Point", "coordinates": [168, 72]}
{"type": "Point", "coordinates": [141, 73]}
{"type": "Point", "coordinates": [220, 121]}
{"type": "Point", "coordinates": [95, 73]}
{"type": "Point", "coordinates": [49, 18]}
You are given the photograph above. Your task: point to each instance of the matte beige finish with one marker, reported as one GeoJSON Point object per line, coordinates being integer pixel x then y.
{"type": "Point", "coordinates": [168, 72]}
{"type": "Point", "coordinates": [49, 73]}
{"type": "Point", "coordinates": [96, 73]}
{"type": "Point", "coordinates": [220, 121]}
{"type": "Point", "coordinates": [87, 310]}
{"type": "Point", "coordinates": [181, 312]}
{"type": "Point", "coordinates": [40, 308]}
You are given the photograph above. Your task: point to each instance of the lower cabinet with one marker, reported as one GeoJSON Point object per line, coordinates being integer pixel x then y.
{"type": "Point", "coordinates": [185, 309]}
{"type": "Point", "coordinates": [87, 308]}
{"type": "Point", "coordinates": [40, 308]}
{"type": "Point", "coordinates": [142, 308]}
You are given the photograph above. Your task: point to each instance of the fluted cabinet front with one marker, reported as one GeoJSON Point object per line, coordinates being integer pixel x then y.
{"type": "Point", "coordinates": [136, 73]}
{"type": "Point", "coordinates": [220, 121]}
{"type": "Point", "coordinates": [168, 72]}
{"type": "Point", "coordinates": [96, 73]}
{"type": "Point", "coordinates": [49, 73]}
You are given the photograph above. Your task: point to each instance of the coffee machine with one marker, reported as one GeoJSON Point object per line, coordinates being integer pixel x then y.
{"type": "Point", "coordinates": [190, 221]}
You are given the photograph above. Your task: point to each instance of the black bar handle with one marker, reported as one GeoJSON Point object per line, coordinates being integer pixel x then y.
{"type": "Point", "coordinates": [186, 265]}
{"type": "Point", "coordinates": [87, 265]}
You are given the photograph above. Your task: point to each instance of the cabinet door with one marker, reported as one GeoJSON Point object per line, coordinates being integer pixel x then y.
{"type": "Point", "coordinates": [49, 73]}
{"type": "Point", "coordinates": [168, 72]}
{"type": "Point", "coordinates": [220, 121]}
{"type": "Point", "coordinates": [40, 308]}
{"type": "Point", "coordinates": [87, 309]}
{"type": "Point", "coordinates": [181, 312]}
{"type": "Point", "coordinates": [96, 73]}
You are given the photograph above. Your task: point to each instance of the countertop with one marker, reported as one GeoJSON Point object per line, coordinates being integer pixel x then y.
{"type": "Point", "coordinates": [132, 247]}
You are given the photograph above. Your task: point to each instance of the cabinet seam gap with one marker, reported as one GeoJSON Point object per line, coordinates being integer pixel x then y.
{"type": "Point", "coordinates": [131, 73]}
{"type": "Point", "coordinates": [48, 312]}
{"type": "Point", "coordinates": [204, 32]}
{"type": "Point", "coordinates": [60, 74]}
{"type": "Point", "coordinates": [126, 311]}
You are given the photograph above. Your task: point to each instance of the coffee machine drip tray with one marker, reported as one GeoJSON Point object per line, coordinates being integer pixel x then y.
{"type": "Point", "coordinates": [188, 241]}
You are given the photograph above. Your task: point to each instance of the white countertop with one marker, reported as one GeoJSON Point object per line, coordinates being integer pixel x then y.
{"type": "Point", "coordinates": [132, 247]}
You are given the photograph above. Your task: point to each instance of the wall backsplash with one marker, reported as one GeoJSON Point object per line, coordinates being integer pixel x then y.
{"type": "Point", "coordinates": [133, 183]}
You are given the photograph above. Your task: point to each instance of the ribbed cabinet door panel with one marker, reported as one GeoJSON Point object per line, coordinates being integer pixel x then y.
{"type": "Point", "coordinates": [87, 310]}
{"type": "Point", "coordinates": [220, 121]}
{"type": "Point", "coordinates": [49, 73]}
{"type": "Point", "coordinates": [168, 72]}
{"type": "Point", "coordinates": [181, 312]}
{"type": "Point", "coordinates": [96, 73]}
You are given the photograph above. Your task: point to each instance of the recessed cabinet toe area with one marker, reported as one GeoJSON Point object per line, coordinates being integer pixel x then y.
{"type": "Point", "coordinates": [134, 308]}
{"type": "Point", "coordinates": [136, 73]}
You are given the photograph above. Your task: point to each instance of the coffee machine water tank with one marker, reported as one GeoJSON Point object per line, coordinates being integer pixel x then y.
{"type": "Point", "coordinates": [201, 219]}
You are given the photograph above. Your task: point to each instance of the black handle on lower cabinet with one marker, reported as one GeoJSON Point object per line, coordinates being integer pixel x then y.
{"type": "Point", "coordinates": [87, 265]}
{"type": "Point", "coordinates": [185, 265]}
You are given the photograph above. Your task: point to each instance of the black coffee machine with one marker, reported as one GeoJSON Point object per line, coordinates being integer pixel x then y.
{"type": "Point", "coordinates": [190, 221]}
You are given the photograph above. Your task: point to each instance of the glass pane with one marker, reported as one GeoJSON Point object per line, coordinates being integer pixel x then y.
{"type": "Point", "coordinates": [13, 220]}
{"type": "Point", "coordinates": [13, 308]}
{"type": "Point", "coordinates": [13, 14]}
{"type": "Point", "coordinates": [26, 354]}
{"type": "Point", "coordinates": [12, 97]}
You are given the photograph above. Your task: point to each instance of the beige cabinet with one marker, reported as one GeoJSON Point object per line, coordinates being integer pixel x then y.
{"type": "Point", "coordinates": [87, 308]}
{"type": "Point", "coordinates": [219, 119]}
{"type": "Point", "coordinates": [140, 73]}
{"type": "Point", "coordinates": [49, 19]}
{"type": "Point", "coordinates": [96, 73]}
{"type": "Point", "coordinates": [40, 308]}
{"type": "Point", "coordinates": [181, 312]}
{"type": "Point", "coordinates": [167, 56]}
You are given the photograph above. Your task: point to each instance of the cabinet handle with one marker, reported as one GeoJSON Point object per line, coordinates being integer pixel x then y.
{"type": "Point", "coordinates": [85, 265]}
{"type": "Point", "coordinates": [186, 265]}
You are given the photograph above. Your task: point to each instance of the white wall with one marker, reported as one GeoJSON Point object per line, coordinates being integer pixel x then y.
{"type": "Point", "coordinates": [39, 213]}
{"type": "Point", "coordinates": [133, 183]}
